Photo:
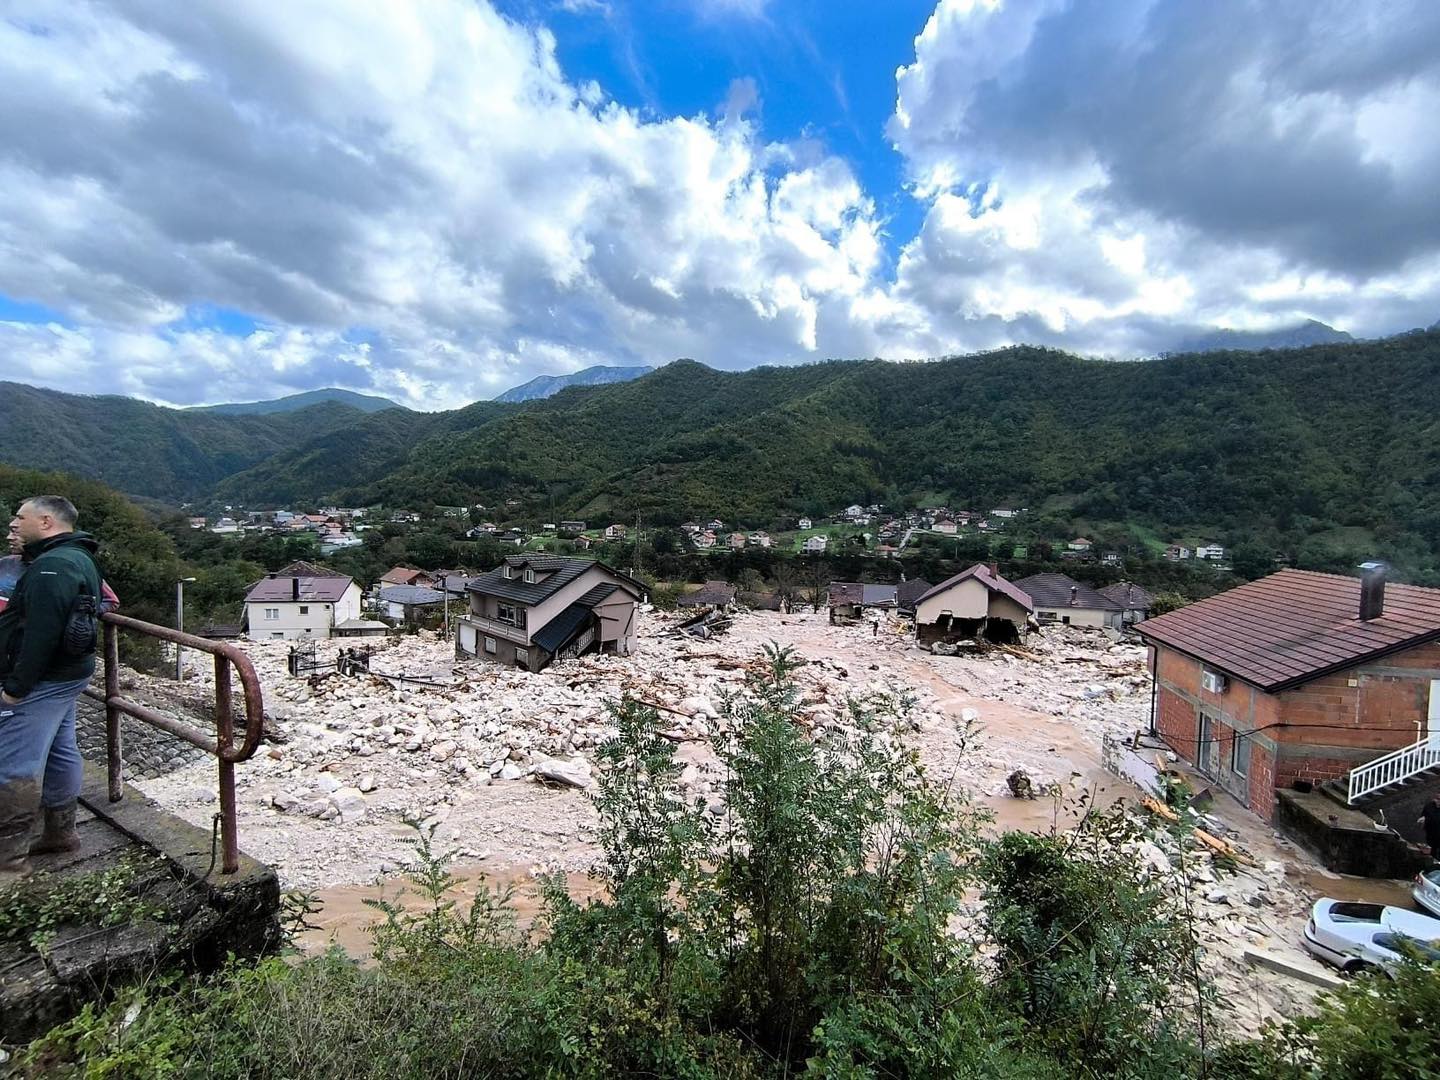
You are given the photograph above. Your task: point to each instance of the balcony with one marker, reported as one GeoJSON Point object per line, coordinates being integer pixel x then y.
{"type": "Point", "coordinates": [499, 629]}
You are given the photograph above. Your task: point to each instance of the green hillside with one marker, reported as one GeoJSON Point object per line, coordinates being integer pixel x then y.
{"type": "Point", "coordinates": [145, 449]}
{"type": "Point", "coordinates": [1280, 448]}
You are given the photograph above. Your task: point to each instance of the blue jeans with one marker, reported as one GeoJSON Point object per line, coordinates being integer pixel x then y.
{"type": "Point", "coordinates": [37, 741]}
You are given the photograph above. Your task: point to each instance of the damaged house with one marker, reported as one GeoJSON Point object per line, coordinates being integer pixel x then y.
{"type": "Point", "coordinates": [850, 599]}
{"type": "Point", "coordinates": [532, 609]}
{"type": "Point", "coordinates": [975, 603]}
{"type": "Point", "coordinates": [1059, 598]}
{"type": "Point", "coordinates": [716, 594]}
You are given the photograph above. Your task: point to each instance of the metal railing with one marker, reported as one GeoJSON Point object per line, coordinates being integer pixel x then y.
{"type": "Point", "coordinates": [222, 745]}
{"type": "Point", "coordinates": [1394, 767]}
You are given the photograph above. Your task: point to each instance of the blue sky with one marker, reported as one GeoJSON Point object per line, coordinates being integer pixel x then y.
{"type": "Point", "coordinates": [435, 202]}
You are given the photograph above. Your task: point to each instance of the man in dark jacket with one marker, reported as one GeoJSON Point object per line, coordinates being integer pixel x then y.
{"type": "Point", "coordinates": [1430, 818]}
{"type": "Point", "coordinates": [41, 677]}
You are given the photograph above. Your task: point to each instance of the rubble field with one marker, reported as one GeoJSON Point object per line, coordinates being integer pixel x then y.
{"type": "Point", "coordinates": [497, 760]}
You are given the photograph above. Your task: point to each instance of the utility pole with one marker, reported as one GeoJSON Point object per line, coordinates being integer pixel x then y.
{"type": "Point", "coordinates": [180, 625]}
{"type": "Point", "coordinates": [445, 589]}
{"type": "Point", "coordinates": [635, 570]}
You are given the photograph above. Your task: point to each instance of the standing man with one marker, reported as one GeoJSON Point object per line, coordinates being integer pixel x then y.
{"type": "Point", "coordinates": [1430, 818]}
{"type": "Point", "coordinates": [41, 676]}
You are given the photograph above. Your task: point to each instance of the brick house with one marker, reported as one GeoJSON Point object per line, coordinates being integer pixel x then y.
{"type": "Point", "coordinates": [1297, 676]}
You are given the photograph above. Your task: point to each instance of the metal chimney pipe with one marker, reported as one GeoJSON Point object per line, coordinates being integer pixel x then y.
{"type": "Point", "coordinates": [294, 588]}
{"type": "Point", "coordinates": [1372, 590]}
{"type": "Point", "coordinates": [1074, 595]}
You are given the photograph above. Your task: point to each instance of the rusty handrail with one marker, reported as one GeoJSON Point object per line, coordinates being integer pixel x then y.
{"type": "Point", "coordinates": [222, 746]}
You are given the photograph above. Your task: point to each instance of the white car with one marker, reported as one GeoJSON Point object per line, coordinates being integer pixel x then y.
{"type": "Point", "coordinates": [1362, 937]}
{"type": "Point", "coordinates": [1427, 890]}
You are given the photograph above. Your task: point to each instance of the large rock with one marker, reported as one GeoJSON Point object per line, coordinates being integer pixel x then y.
{"type": "Point", "coordinates": [349, 804]}
{"type": "Point", "coordinates": [574, 774]}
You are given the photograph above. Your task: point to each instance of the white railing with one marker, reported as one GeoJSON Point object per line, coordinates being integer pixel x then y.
{"type": "Point", "coordinates": [1394, 767]}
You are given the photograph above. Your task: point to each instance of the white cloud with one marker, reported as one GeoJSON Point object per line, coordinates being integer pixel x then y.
{"type": "Point", "coordinates": [415, 199]}
{"type": "Point", "coordinates": [424, 171]}
{"type": "Point", "coordinates": [1112, 170]}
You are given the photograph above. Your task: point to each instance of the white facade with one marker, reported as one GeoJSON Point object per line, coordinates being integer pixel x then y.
{"type": "Point", "coordinates": [287, 619]}
{"type": "Point", "coordinates": [816, 545]}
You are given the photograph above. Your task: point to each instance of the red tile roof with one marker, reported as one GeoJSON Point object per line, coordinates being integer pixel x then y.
{"type": "Point", "coordinates": [1294, 626]}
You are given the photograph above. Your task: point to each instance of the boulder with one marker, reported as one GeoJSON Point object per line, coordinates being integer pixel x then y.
{"type": "Point", "coordinates": [574, 774]}
{"type": "Point", "coordinates": [349, 804]}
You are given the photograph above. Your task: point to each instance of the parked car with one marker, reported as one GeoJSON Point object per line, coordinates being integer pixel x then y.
{"type": "Point", "coordinates": [1358, 937]}
{"type": "Point", "coordinates": [1427, 890]}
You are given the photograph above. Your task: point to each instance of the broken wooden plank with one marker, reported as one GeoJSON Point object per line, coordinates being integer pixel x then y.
{"type": "Point", "coordinates": [1155, 806]}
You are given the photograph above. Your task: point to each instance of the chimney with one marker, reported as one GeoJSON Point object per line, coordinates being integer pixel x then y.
{"type": "Point", "coordinates": [1372, 590]}
{"type": "Point", "coordinates": [1074, 595]}
{"type": "Point", "coordinates": [294, 588]}
{"type": "Point", "coordinates": [994, 569]}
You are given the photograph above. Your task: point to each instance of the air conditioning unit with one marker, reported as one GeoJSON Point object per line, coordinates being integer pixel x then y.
{"type": "Point", "coordinates": [1212, 681]}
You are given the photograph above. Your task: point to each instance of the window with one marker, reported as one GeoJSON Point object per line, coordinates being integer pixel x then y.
{"type": "Point", "coordinates": [304, 609]}
{"type": "Point", "coordinates": [1240, 754]}
{"type": "Point", "coordinates": [507, 613]}
{"type": "Point", "coordinates": [272, 613]}
{"type": "Point", "coordinates": [490, 644]}
{"type": "Point", "coordinates": [522, 656]}
{"type": "Point", "coordinates": [529, 576]}
{"type": "Point", "coordinates": [277, 633]}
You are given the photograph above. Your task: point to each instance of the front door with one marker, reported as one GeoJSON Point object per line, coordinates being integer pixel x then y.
{"type": "Point", "coordinates": [1432, 728]}
{"type": "Point", "coordinates": [1205, 751]}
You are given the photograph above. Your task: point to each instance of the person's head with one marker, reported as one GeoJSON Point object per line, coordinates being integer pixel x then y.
{"type": "Point", "coordinates": [43, 516]}
{"type": "Point", "coordinates": [12, 539]}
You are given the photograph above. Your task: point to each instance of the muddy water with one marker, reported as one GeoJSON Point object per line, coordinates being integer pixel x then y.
{"type": "Point", "coordinates": [1342, 887]}
{"type": "Point", "coordinates": [345, 918]}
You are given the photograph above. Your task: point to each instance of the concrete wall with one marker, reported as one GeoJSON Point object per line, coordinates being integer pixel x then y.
{"type": "Point", "coordinates": [1318, 731]}
{"type": "Point", "coordinates": [1076, 616]}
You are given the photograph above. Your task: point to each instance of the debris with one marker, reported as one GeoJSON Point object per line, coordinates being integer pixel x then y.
{"type": "Point", "coordinates": [1308, 972]}
{"type": "Point", "coordinates": [1019, 784]}
{"type": "Point", "coordinates": [574, 774]}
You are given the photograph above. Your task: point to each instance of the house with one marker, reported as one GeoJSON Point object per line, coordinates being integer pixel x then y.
{"type": "Point", "coordinates": [1299, 676]}
{"type": "Point", "coordinates": [405, 575]}
{"type": "Point", "coordinates": [736, 541]}
{"type": "Point", "coordinates": [293, 606]}
{"type": "Point", "coordinates": [1177, 552]}
{"type": "Point", "coordinates": [704, 540]}
{"type": "Point", "coordinates": [338, 541]}
{"type": "Point", "coordinates": [766, 601]}
{"type": "Point", "coordinates": [1004, 512]}
{"type": "Point", "coordinates": [302, 568]}
{"type": "Point", "coordinates": [1210, 550]}
{"type": "Point", "coordinates": [1059, 598]}
{"type": "Point", "coordinates": [572, 527]}
{"type": "Point", "coordinates": [907, 592]}
{"type": "Point", "coordinates": [225, 525]}
{"type": "Point", "coordinates": [1079, 544]}
{"type": "Point", "coordinates": [690, 528]}
{"type": "Point", "coordinates": [532, 609]}
{"type": "Point", "coordinates": [1111, 558]}
{"type": "Point", "coordinates": [975, 603]}
{"type": "Point", "coordinates": [850, 599]}
{"type": "Point", "coordinates": [406, 602]}
{"type": "Point", "coordinates": [361, 628]}
{"type": "Point", "coordinates": [815, 545]}
{"type": "Point", "coordinates": [197, 523]}
{"type": "Point", "coordinates": [718, 594]}
{"type": "Point", "coordinates": [714, 525]}
{"type": "Point", "coordinates": [804, 523]}
{"type": "Point", "coordinates": [1135, 602]}
{"type": "Point", "coordinates": [514, 537]}
{"type": "Point", "coordinates": [945, 525]}
{"type": "Point", "coordinates": [854, 513]}
{"type": "Point", "coordinates": [615, 532]}
{"type": "Point", "coordinates": [759, 539]}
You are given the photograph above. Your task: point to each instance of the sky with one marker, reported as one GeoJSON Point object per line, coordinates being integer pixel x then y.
{"type": "Point", "coordinates": [228, 201]}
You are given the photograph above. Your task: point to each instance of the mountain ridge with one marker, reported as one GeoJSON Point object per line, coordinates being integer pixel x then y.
{"type": "Point", "coordinates": [366, 403]}
{"type": "Point", "coordinates": [544, 386]}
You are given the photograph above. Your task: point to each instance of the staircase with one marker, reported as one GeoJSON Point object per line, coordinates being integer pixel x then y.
{"type": "Point", "coordinates": [1397, 767]}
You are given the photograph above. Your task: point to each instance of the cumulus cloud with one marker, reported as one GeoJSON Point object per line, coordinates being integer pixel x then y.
{"type": "Point", "coordinates": [423, 171]}
{"type": "Point", "coordinates": [416, 200]}
{"type": "Point", "coordinates": [1102, 171]}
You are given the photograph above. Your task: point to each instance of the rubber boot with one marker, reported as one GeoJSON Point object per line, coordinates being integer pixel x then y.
{"type": "Point", "coordinates": [59, 832]}
{"type": "Point", "coordinates": [19, 803]}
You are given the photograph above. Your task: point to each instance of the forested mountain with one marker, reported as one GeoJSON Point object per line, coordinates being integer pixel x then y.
{"type": "Point", "coordinates": [144, 449]}
{"type": "Point", "coordinates": [296, 402]}
{"type": "Point", "coordinates": [1309, 332]}
{"type": "Point", "coordinates": [543, 386]}
{"type": "Point", "coordinates": [1272, 446]}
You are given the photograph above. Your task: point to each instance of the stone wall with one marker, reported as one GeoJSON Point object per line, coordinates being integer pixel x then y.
{"type": "Point", "coordinates": [148, 752]}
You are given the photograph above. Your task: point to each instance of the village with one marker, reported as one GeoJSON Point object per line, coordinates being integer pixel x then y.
{"type": "Point", "coordinates": [1037, 697]}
